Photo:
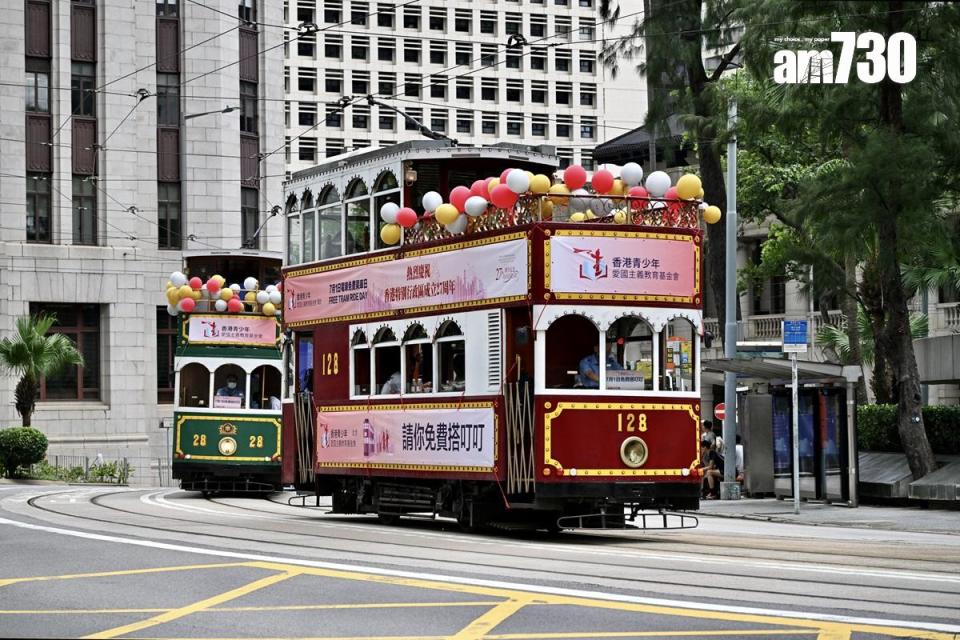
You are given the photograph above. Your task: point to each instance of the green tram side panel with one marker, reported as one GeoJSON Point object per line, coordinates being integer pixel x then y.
{"type": "Point", "coordinates": [249, 438]}
{"type": "Point", "coordinates": [187, 350]}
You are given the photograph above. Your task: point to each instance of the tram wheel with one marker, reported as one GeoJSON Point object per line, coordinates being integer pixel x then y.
{"type": "Point", "coordinates": [389, 519]}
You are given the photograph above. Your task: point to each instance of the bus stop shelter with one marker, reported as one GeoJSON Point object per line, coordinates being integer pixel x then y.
{"type": "Point", "coordinates": [832, 439]}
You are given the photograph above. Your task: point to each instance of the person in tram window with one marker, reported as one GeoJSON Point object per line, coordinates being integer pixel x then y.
{"type": "Point", "coordinates": [588, 375]}
{"type": "Point", "coordinates": [392, 385]}
{"type": "Point", "coordinates": [231, 389]}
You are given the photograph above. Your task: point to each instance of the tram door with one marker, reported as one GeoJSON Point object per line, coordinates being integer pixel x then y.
{"type": "Point", "coordinates": [518, 400]}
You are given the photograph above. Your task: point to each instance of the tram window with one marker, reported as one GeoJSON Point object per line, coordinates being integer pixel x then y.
{"type": "Point", "coordinates": [305, 363]}
{"type": "Point", "coordinates": [309, 229]}
{"type": "Point", "coordinates": [386, 363]}
{"type": "Point", "coordinates": [194, 385]}
{"type": "Point", "coordinates": [230, 382]}
{"type": "Point", "coordinates": [361, 364]}
{"type": "Point", "coordinates": [386, 189]}
{"type": "Point", "coordinates": [451, 357]}
{"type": "Point", "coordinates": [357, 214]}
{"type": "Point", "coordinates": [418, 358]}
{"type": "Point", "coordinates": [328, 216]}
{"type": "Point", "coordinates": [677, 356]}
{"type": "Point", "coordinates": [630, 345]}
{"type": "Point", "coordinates": [265, 388]}
{"type": "Point", "coordinates": [570, 340]}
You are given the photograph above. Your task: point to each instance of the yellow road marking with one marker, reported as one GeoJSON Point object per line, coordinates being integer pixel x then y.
{"type": "Point", "coordinates": [651, 634]}
{"type": "Point", "coordinates": [175, 614]}
{"type": "Point", "coordinates": [125, 572]}
{"type": "Point", "coordinates": [383, 605]}
{"type": "Point", "coordinates": [479, 628]}
{"type": "Point", "coordinates": [838, 632]}
{"type": "Point", "coordinates": [54, 612]}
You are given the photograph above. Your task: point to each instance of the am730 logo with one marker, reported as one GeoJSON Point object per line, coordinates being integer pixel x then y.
{"type": "Point", "coordinates": [894, 58]}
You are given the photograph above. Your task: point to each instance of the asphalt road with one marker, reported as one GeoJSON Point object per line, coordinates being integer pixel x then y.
{"type": "Point", "coordinates": [106, 563]}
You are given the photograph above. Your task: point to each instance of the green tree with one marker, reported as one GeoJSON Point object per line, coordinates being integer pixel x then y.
{"type": "Point", "coordinates": [669, 42]}
{"type": "Point", "coordinates": [33, 354]}
{"type": "Point", "coordinates": [900, 154]}
{"type": "Point", "coordinates": [20, 447]}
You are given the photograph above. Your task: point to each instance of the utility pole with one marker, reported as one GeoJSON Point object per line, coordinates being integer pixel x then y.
{"type": "Point", "coordinates": [729, 489]}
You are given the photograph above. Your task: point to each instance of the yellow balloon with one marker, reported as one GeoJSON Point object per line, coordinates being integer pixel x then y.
{"type": "Point", "coordinates": [169, 284]}
{"type": "Point", "coordinates": [539, 183]}
{"type": "Point", "coordinates": [493, 183]}
{"type": "Point", "coordinates": [620, 217]}
{"type": "Point", "coordinates": [173, 295]}
{"type": "Point", "coordinates": [579, 216]}
{"type": "Point", "coordinates": [268, 309]}
{"type": "Point", "coordinates": [226, 293]}
{"type": "Point", "coordinates": [617, 189]}
{"type": "Point", "coordinates": [185, 291]}
{"type": "Point", "coordinates": [250, 298]}
{"type": "Point", "coordinates": [688, 186]}
{"type": "Point", "coordinates": [591, 215]}
{"type": "Point", "coordinates": [446, 214]}
{"type": "Point", "coordinates": [557, 191]}
{"type": "Point", "coordinates": [712, 215]}
{"type": "Point", "coordinates": [219, 279]}
{"type": "Point", "coordinates": [546, 209]}
{"type": "Point", "coordinates": [701, 194]}
{"type": "Point", "coordinates": [529, 175]}
{"type": "Point", "coordinates": [196, 295]}
{"type": "Point", "coordinates": [390, 234]}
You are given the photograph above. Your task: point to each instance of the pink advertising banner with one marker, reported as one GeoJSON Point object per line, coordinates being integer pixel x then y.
{"type": "Point", "coordinates": [446, 438]}
{"type": "Point", "coordinates": [250, 331]}
{"type": "Point", "coordinates": [654, 266]}
{"type": "Point", "coordinates": [493, 272]}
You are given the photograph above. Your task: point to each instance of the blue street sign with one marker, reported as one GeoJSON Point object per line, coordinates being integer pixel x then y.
{"type": "Point", "coordinates": [795, 336]}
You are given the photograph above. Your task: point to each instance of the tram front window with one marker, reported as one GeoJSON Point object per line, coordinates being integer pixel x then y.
{"type": "Point", "coordinates": [230, 382]}
{"type": "Point", "coordinates": [630, 341]}
{"type": "Point", "coordinates": [194, 385]}
{"type": "Point", "coordinates": [265, 388]}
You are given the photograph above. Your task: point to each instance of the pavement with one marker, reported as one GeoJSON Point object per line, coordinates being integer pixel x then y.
{"type": "Point", "coordinates": [888, 518]}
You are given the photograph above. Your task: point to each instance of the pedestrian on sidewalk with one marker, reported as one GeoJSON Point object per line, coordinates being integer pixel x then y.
{"type": "Point", "coordinates": [712, 464]}
{"type": "Point", "coordinates": [706, 432]}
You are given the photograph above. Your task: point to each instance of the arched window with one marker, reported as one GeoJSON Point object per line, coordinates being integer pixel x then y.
{"type": "Point", "coordinates": [309, 227]}
{"type": "Point", "coordinates": [265, 388]}
{"type": "Point", "coordinates": [361, 363]}
{"type": "Point", "coordinates": [572, 348]}
{"type": "Point", "coordinates": [386, 189]}
{"type": "Point", "coordinates": [451, 357]}
{"type": "Point", "coordinates": [418, 360]}
{"type": "Point", "coordinates": [356, 211]}
{"type": "Point", "coordinates": [678, 352]}
{"type": "Point", "coordinates": [293, 231]}
{"type": "Point", "coordinates": [630, 350]}
{"type": "Point", "coordinates": [230, 382]}
{"type": "Point", "coordinates": [328, 216]}
{"type": "Point", "coordinates": [194, 386]}
{"type": "Point", "coordinates": [386, 362]}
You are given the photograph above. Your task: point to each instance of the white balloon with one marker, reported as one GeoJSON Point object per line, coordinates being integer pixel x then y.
{"type": "Point", "coordinates": [631, 174]}
{"type": "Point", "coordinates": [235, 287]}
{"type": "Point", "coordinates": [220, 305]}
{"type": "Point", "coordinates": [271, 288]}
{"type": "Point", "coordinates": [518, 181]}
{"type": "Point", "coordinates": [250, 284]}
{"type": "Point", "coordinates": [702, 206]}
{"type": "Point", "coordinates": [203, 292]}
{"type": "Point", "coordinates": [459, 225]}
{"type": "Point", "coordinates": [177, 279]}
{"type": "Point", "coordinates": [657, 183]}
{"type": "Point", "coordinates": [275, 297]}
{"type": "Point", "coordinates": [579, 200]}
{"type": "Point", "coordinates": [475, 206]}
{"type": "Point", "coordinates": [172, 310]}
{"type": "Point", "coordinates": [263, 297]}
{"type": "Point", "coordinates": [431, 200]}
{"type": "Point", "coordinates": [388, 212]}
{"type": "Point", "coordinates": [278, 313]}
{"type": "Point", "coordinates": [600, 206]}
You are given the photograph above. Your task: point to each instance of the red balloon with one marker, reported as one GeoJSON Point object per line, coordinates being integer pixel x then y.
{"type": "Point", "coordinates": [213, 286]}
{"type": "Point", "coordinates": [479, 188]}
{"type": "Point", "coordinates": [195, 283]}
{"type": "Point", "coordinates": [503, 197]}
{"type": "Point", "coordinates": [574, 176]}
{"type": "Point", "coordinates": [602, 181]}
{"type": "Point", "coordinates": [458, 197]}
{"type": "Point", "coordinates": [406, 217]}
{"type": "Point", "coordinates": [503, 176]}
{"type": "Point", "coordinates": [638, 192]}
{"type": "Point", "coordinates": [279, 286]}
{"type": "Point", "coordinates": [234, 305]}
{"type": "Point", "coordinates": [188, 304]}
{"type": "Point", "coordinates": [671, 194]}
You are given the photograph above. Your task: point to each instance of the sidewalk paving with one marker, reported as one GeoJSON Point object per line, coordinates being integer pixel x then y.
{"type": "Point", "coordinates": [907, 518]}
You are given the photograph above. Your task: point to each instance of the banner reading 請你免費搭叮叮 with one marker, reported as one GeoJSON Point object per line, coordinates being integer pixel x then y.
{"type": "Point", "coordinates": [494, 272]}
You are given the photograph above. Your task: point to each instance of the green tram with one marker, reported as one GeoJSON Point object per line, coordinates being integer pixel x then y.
{"type": "Point", "coordinates": [227, 381]}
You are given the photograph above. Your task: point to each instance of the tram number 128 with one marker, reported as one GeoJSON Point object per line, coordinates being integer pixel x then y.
{"type": "Point", "coordinates": [631, 422]}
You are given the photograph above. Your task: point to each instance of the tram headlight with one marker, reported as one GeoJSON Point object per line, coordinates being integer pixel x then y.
{"type": "Point", "coordinates": [634, 452]}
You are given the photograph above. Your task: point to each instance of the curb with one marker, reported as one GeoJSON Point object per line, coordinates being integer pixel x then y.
{"type": "Point", "coordinates": [783, 520]}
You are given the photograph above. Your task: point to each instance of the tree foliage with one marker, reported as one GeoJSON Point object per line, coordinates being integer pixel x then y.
{"type": "Point", "coordinates": [20, 447]}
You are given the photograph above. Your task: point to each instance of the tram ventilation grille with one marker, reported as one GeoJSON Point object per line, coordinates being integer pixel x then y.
{"type": "Point", "coordinates": [494, 356]}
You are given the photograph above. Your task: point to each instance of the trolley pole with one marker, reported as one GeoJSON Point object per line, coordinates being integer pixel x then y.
{"type": "Point", "coordinates": [729, 489]}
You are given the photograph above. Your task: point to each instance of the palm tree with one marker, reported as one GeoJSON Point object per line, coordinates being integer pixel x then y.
{"type": "Point", "coordinates": [32, 354]}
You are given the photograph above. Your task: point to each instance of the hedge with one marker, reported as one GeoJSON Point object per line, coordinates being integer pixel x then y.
{"type": "Point", "coordinates": [21, 447]}
{"type": "Point", "coordinates": [877, 428]}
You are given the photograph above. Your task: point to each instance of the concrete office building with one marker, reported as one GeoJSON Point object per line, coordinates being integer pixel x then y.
{"type": "Point", "coordinates": [115, 162]}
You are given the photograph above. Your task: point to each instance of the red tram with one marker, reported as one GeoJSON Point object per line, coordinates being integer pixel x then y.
{"type": "Point", "coordinates": [528, 369]}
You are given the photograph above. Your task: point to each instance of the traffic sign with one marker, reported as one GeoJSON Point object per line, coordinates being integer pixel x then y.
{"type": "Point", "coordinates": [794, 336]}
{"type": "Point", "coordinates": [720, 411]}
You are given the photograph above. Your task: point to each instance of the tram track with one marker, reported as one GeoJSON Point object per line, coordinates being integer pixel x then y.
{"type": "Point", "coordinates": [800, 586]}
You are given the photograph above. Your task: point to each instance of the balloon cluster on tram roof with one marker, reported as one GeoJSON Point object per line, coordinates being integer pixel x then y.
{"type": "Point", "coordinates": [185, 295]}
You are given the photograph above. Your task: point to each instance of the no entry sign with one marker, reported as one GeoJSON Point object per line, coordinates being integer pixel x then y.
{"type": "Point", "coordinates": [720, 411]}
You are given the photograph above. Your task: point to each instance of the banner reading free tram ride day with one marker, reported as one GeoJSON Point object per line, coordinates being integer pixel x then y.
{"type": "Point", "coordinates": [492, 271]}
{"type": "Point", "coordinates": [645, 264]}
{"type": "Point", "coordinates": [447, 437]}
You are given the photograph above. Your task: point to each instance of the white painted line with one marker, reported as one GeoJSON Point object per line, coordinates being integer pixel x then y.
{"type": "Point", "coordinates": [495, 584]}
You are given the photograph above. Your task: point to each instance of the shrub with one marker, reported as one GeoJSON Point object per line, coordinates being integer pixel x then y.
{"type": "Point", "coordinates": [877, 428]}
{"type": "Point", "coordinates": [21, 446]}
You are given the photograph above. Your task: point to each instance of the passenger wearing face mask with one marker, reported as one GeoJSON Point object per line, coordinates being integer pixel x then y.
{"type": "Point", "coordinates": [232, 389]}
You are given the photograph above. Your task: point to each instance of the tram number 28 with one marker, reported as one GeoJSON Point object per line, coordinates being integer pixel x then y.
{"type": "Point", "coordinates": [631, 422]}
{"type": "Point", "coordinates": [199, 439]}
{"type": "Point", "coordinates": [256, 442]}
